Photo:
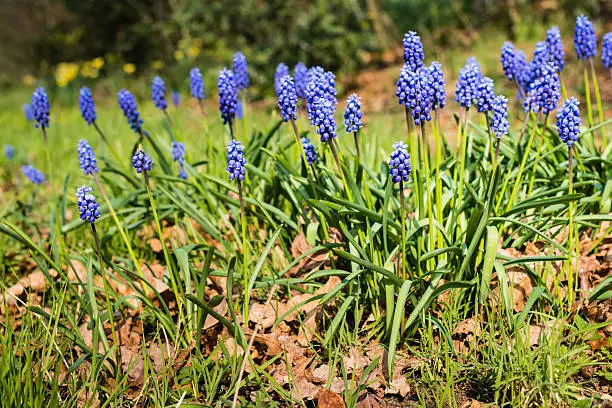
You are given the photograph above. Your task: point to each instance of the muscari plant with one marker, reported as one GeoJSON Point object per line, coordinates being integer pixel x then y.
{"type": "Point", "coordinates": [196, 86]}
{"type": "Point", "coordinates": [585, 44]}
{"type": "Point", "coordinates": [352, 119]}
{"type": "Point", "coordinates": [158, 96]}
{"type": "Point", "coordinates": [9, 152]}
{"type": "Point", "coordinates": [228, 98]}
{"type": "Point", "coordinates": [33, 174]}
{"type": "Point", "coordinates": [281, 70]}
{"type": "Point", "coordinates": [178, 155]}
{"type": "Point", "coordinates": [423, 92]}
{"type": "Point", "coordinates": [606, 52]}
{"type": "Point", "coordinates": [27, 112]}
{"type": "Point", "coordinates": [176, 98]}
{"type": "Point", "coordinates": [41, 110]}
{"type": "Point", "coordinates": [300, 75]}
{"type": "Point", "coordinates": [241, 77]}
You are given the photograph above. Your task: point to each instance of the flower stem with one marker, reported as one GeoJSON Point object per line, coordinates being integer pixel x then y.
{"type": "Point", "coordinates": [347, 188]}
{"type": "Point", "coordinates": [300, 146]}
{"type": "Point", "coordinates": [112, 149]}
{"type": "Point", "coordinates": [168, 117]}
{"type": "Point", "coordinates": [244, 116]}
{"type": "Point", "coordinates": [587, 95]}
{"type": "Point", "coordinates": [535, 166]}
{"type": "Point", "coordinates": [462, 156]}
{"type": "Point", "coordinates": [570, 273]}
{"type": "Point", "coordinates": [231, 129]}
{"type": "Point", "coordinates": [438, 144]}
{"type": "Point", "coordinates": [106, 292]}
{"type": "Point", "coordinates": [600, 111]}
{"type": "Point", "coordinates": [171, 268]}
{"type": "Point", "coordinates": [517, 182]}
{"type": "Point", "coordinates": [357, 147]}
{"type": "Point", "coordinates": [403, 222]}
{"type": "Point", "coordinates": [119, 227]}
{"type": "Point", "coordinates": [426, 168]}
{"type": "Point", "coordinates": [245, 249]}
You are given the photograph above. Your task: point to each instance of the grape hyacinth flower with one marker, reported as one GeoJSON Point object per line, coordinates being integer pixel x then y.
{"type": "Point", "coordinates": [33, 174]}
{"type": "Point", "coordinates": [176, 98]}
{"type": "Point", "coordinates": [128, 105]}
{"type": "Point", "coordinates": [499, 119]}
{"type": "Point", "coordinates": [539, 62]}
{"type": "Point", "coordinates": [158, 93]}
{"type": "Point", "coordinates": [141, 162]}
{"type": "Point", "coordinates": [40, 110]}
{"type": "Point", "coordinates": [466, 91]}
{"type": "Point", "coordinates": [241, 71]}
{"type": "Point", "coordinates": [310, 150]}
{"type": "Point", "coordinates": [281, 70]}
{"type": "Point", "coordinates": [87, 106]}
{"type": "Point", "coordinates": [399, 164]}
{"type": "Point", "coordinates": [352, 119]}
{"type": "Point", "coordinates": [415, 92]}
{"type": "Point", "coordinates": [236, 163]}
{"type": "Point", "coordinates": [27, 112]}
{"type": "Point", "coordinates": [353, 115]}
{"type": "Point", "coordinates": [485, 94]}
{"type": "Point", "coordinates": [585, 39]}
{"type": "Point", "coordinates": [437, 84]}
{"type": "Point", "coordinates": [323, 118]}
{"type": "Point", "coordinates": [314, 74]}
{"type": "Point", "coordinates": [287, 99]}
{"type": "Point", "coordinates": [545, 91]}
{"type": "Point", "coordinates": [196, 85]}
{"type": "Point", "coordinates": [508, 60]}
{"type": "Point", "coordinates": [87, 204]}
{"type": "Point", "coordinates": [522, 71]}
{"type": "Point", "coordinates": [178, 155]}
{"type": "Point", "coordinates": [87, 158]}
{"type": "Point", "coordinates": [554, 46]}
{"type": "Point", "coordinates": [413, 51]}
{"type": "Point", "coordinates": [568, 121]}
{"type": "Point", "coordinates": [606, 51]}
{"type": "Point", "coordinates": [9, 151]}
{"type": "Point", "coordinates": [228, 96]}
{"type": "Point", "coordinates": [300, 75]}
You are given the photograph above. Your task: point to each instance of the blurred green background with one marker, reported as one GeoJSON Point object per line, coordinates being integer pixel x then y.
{"type": "Point", "coordinates": [65, 44]}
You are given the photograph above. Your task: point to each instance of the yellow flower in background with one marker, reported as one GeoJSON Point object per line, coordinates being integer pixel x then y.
{"type": "Point", "coordinates": [97, 63]}
{"type": "Point", "coordinates": [178, 55]}
{"type": "Point", "coordinates": [29, 79]}
{"type": "Point", "coordinates": [193, 51]}
{"type": "Point", "coordinates": [157, 64]}
{"type": "Point", "coordinates": [197, 42]}
{"type": "Point", "coordinates": [129, 68]}
{"type": "Point", "coordinates": [88, 70]}
{"type": "Point", "coordinates": [65, 72]}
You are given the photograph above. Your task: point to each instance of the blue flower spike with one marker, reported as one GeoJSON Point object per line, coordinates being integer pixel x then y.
{"type": "Point", "coordinates": [88, 206]}
{"type": "Point", "coordinates": [87, 158]}
{"type": "Point", "coordinates": [87, 105]}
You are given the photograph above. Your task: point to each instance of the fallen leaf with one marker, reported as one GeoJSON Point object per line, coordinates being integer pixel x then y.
{"type": "Point", "coordinates": [368, 401]}
{"type": "Point", "coordinates": [329, 399]}
{"type": "Point", "coordinates": [156, 245]}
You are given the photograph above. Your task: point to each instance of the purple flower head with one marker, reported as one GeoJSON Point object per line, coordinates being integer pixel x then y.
{"type": "Point", "coordinates": [321, 85]}
{"type": "Point", "coordinates": [87, 158]}
{"type": "Point", "coordinates": [158, 93]}
{"type": "Point", "coordinates": [236, 163]}
{"type": "Point", "coordinates": [413, 51]}
{"type": "Point", "coordinates": [310, 151]}
{"type": "Point", "coordinates": [241, 71]}
{"type": "Point", "coordinates": [499, 120]}
{"type": "Point", "coordinates": [196, 85]}
{"type": "Point", "coordinates": [9, 151]}
{"type": "Point", "coordinates": [585, 39]}
{"type": "Point", "coordinates": [508, 58]}
{"type": "Point", "coordinates": [300, 74]}
{"type": "Point", "coordinates": [287, 99]}
{"type": "Point", "coordinates": [539, 62]}
{"type": "Point", "coordinates": [522, 69]}
{"type": "Point", "coordinates": [176, 98]}
{"type": "Point", "coordinates": [353, 115]}
{"type": "Point", "coordinates": [40, 107]}
{"type": "Point", "coordinates": [88, 206]}
{"type": "Point", "coordinates": [485, 94]}
{"type": "Point", "coordinates": [33, 174]}
{"type": "Point", "coordinates": [141, 162]}
{"type": "Point", "coordinates": [438, 85]}
{"type": "Point", "coordinates": [87, 106]}
{"type": "Point", "coordinates": [323, 118]}
{"type": "Point", "coordinates": [228, 95]}
{"type": "Point", "coordinates": [414, 90]}
{"type": "Point", "coordinates": [178, 155]}
{"type": "Point", "coordinates": [554, 46]}
{"type": "Point", "coordinates": [281, 70]}
{"type": "Point", "coordinates": [470, 76]}
{"type": "Point", "coordinates": [545, 91]}
{"type": "Point", "coordinates": [568, 121]}
{"type": "Point", "coordinates": [27, 112]}
{"type": "Point", "coordinates": [128, 105]}
{"type": "Point", "coordinates": [399, 164]}
{"type": "Point", "coordinates": [606, 50]}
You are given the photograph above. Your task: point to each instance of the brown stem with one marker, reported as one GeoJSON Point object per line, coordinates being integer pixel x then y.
{"type": "Point", "coordinates": [44, 132]}
{"type": "Point", "coordinates": [335, 153]}
{"type": "Point", "coordinates": [168, 117]}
